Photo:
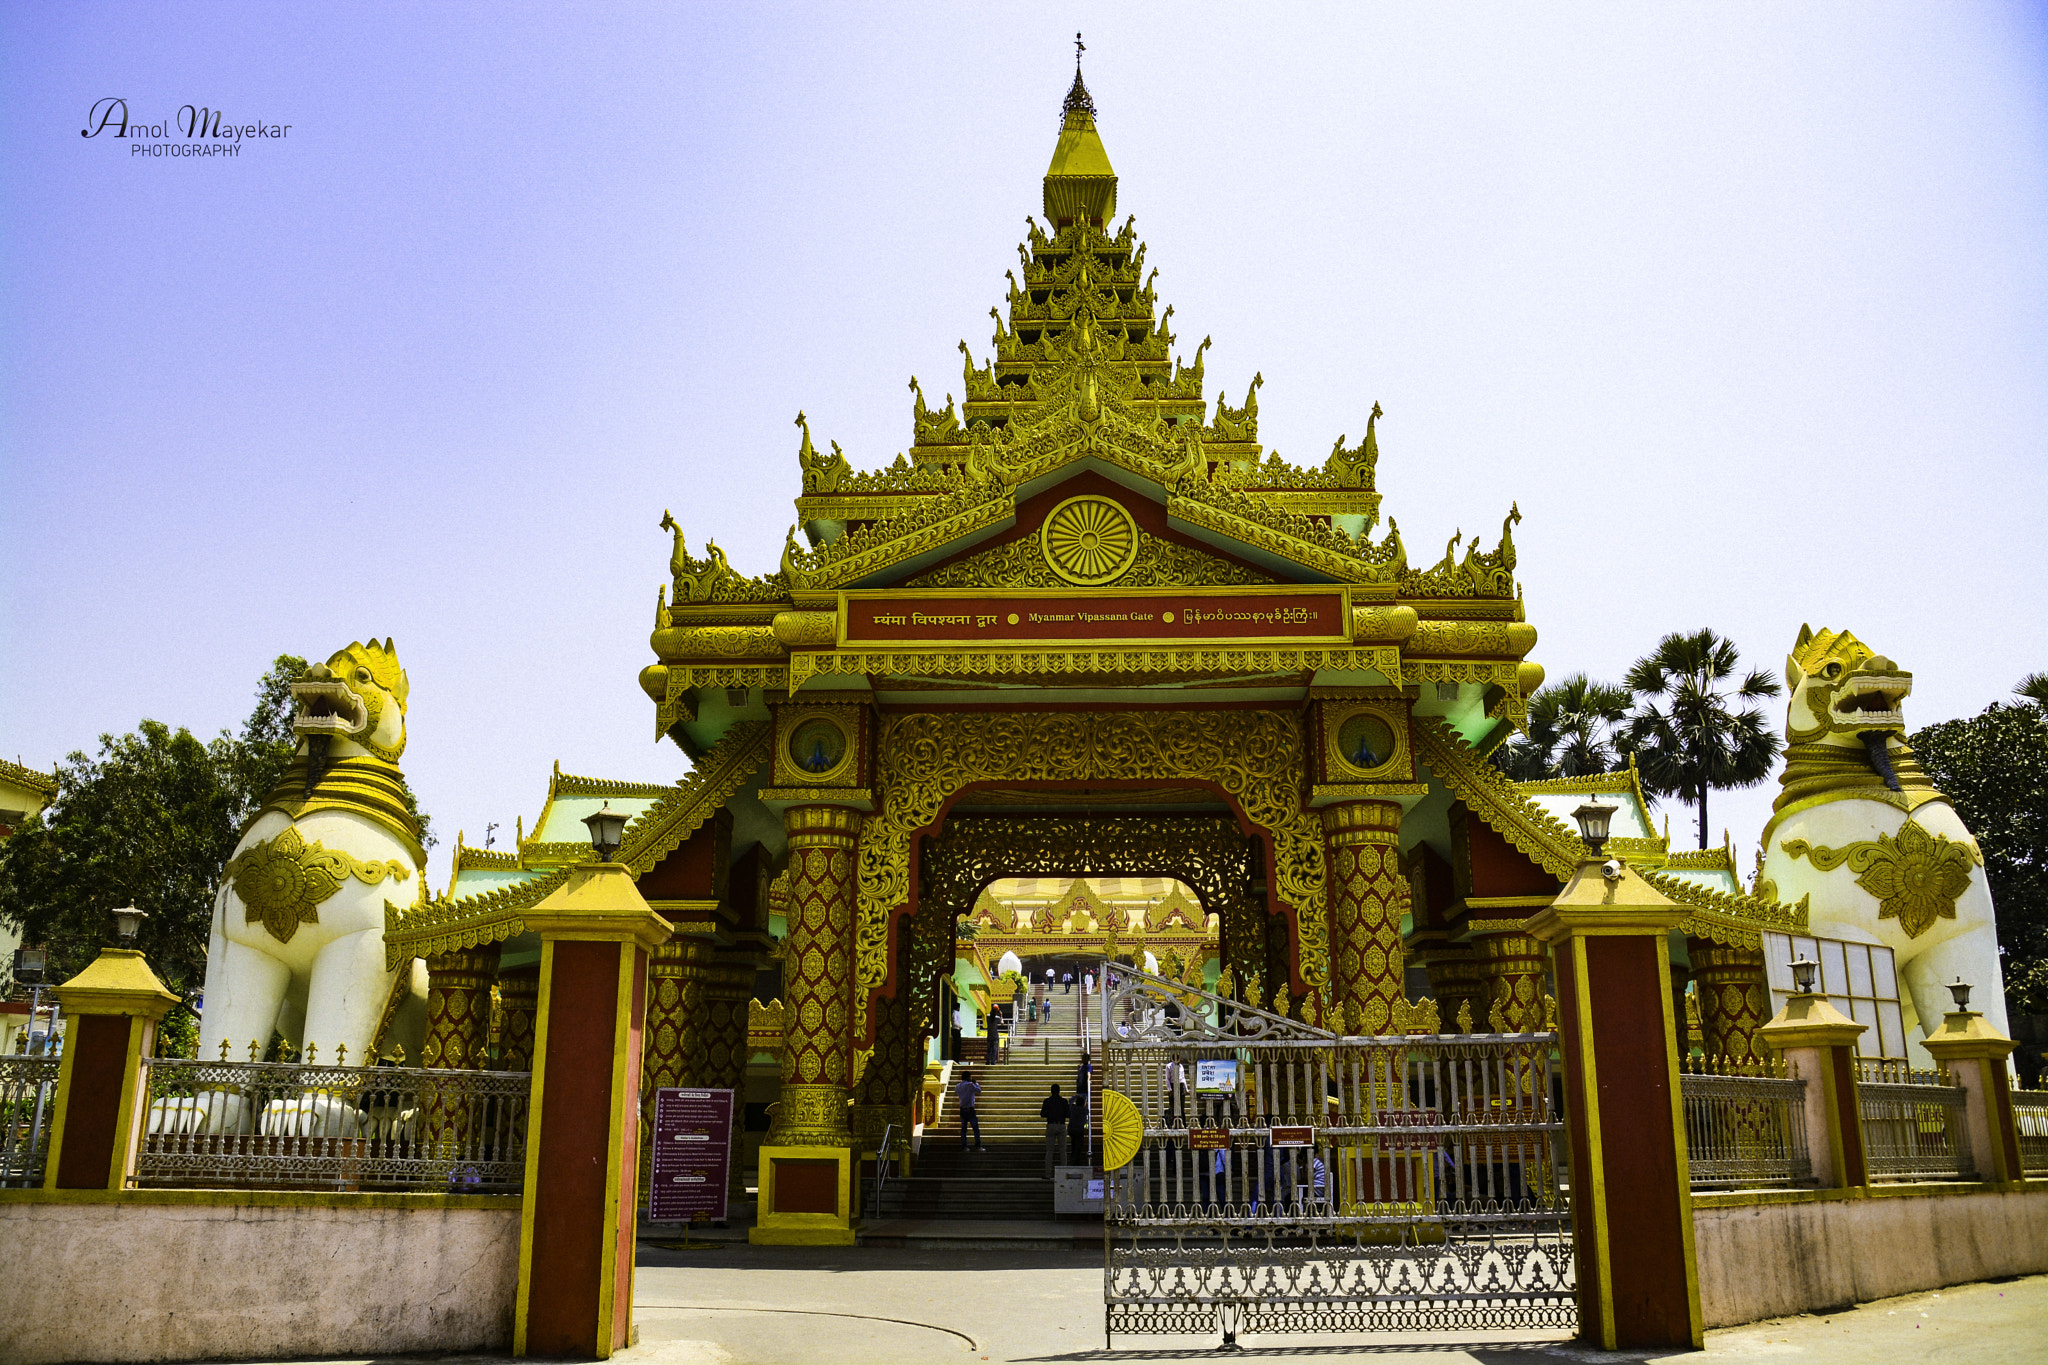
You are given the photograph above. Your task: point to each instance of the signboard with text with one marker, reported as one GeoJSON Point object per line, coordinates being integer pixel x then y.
{"type": "Point", "coordinates": [1278, 615]}
{"type": "Point", "coordinates": [1216, 1077]}
{"type": "Point", "coordinates": [692, 1155]}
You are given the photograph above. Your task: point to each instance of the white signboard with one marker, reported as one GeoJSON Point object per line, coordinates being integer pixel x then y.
{"type": "Point", "coordinates": [1215, 1077]}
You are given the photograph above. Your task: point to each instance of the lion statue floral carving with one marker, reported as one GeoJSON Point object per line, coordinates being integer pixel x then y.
{"type": "Point", "coordinates": [1860, 829]}
{"type": "Point", "coordinates": [298, 924]}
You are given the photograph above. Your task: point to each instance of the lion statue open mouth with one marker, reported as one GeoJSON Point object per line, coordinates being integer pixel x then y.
{"type": "Point", "coordinates": [1860, 828]}
{"type": "Point", "coordinates": [298, 927]}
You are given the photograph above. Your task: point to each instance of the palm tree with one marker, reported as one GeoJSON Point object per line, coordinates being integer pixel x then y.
{"type": "Point", "coordinates": [2034, 687]}
{"type": "Point", "coordinates": [1690, 732]}
{"type": "Point", "coordinates": [1573, 727]}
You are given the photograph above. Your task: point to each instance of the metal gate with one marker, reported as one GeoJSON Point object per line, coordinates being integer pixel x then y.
{"type": "Point", "coordinates": [1286, 1179]}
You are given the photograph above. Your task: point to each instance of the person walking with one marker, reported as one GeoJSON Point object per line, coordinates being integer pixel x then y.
{"type": "Point", "coordinates": [1175, 1098]}
{"type": "Point", "coordinates": [995, 1035]}
{"type": "Point", "coordinates": [968, 1093]}
{"type": "Point", "coordinates": [1067, 980]}
{"type": "Point", "coordinates": [1084, 1079]}
{"type": "Point", "coordinates": [1055, 1112]}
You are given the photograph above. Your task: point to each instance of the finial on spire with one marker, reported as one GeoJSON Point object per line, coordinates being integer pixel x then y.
{"type": "Point", "coordinates": [1079, 48]}
{"type": "Point", "coordinates": [1078, 100]}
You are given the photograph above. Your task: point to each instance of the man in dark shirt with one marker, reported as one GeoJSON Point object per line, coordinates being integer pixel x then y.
{"type": "Point", "coordinates": [1054, 1111]}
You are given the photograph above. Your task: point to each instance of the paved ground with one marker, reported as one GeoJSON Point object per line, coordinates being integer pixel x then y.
{"type": "Point", "coordinates": [721, 1303]}
{"type": "Point", "coordinates": [737, 1305]}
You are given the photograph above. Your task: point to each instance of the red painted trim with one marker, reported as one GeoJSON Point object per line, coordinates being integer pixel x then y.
{"type": "Point", "coordinates": [1849, 1116]}
{"type": "Point", "coordinates": [1585, 1236]}
{"type": "Point", "coordinates": [629, 1163]}
{"type": "Point", "coordinates": [92, 1112]}
{"type": "Point", "coordinates": [569, 1188]}
{"type": "Point", "coordinates": [1645, 1208]}
{"type": "Point", "coordinates": [905, 708]}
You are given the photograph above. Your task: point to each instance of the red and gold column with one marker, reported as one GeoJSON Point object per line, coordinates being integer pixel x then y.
{"type": "Point", "coordinates": [883, 1098]}
{"type": "Point", "coordinates": [673, 1050]}
{"type": "Point", "coordinates": [518, 1011]}
{"type": "Point", "coordinates": [1512, 964]}
{"type": "Point", "coordinates": [1631, 1191]}
{"type": "Point", "coordinates": [459, 1007]}
{"type": "Point", "coordinates": [1455, 984]}
{"type": "Point", "coordinates": [1734, 1002]}
{"type": "Point", "coordinates": [1367, 895]}
{"type": "Point", "coordinates": [579, 1211]}
{"type": "Point", "coordinates": [806, 1162]}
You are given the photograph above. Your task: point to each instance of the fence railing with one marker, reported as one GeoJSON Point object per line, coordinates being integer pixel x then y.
{"type": "Point", "coordinates": [1745, 1124]}
{"type": "Point", "coordinates": [282, 1125]}
{"type": "Point", "coordinates": [1912, 1123]}
{"type": "Point", "coordinates": [2030, 1117]}
{"type": "Point", "coordinates": [28, 1101]}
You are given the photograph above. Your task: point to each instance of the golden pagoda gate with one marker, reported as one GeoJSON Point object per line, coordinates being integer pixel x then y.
{"type": "Point", "coordinates": [1267, 1176]}
{"type": "Point", "coordinates": [1089, 625]}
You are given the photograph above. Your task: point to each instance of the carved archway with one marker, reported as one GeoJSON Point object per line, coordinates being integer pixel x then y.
{"type": "Point", "coordinates": [1253, 759]}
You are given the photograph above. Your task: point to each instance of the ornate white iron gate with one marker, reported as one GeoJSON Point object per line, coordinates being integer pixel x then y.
{"type": "Point", "coordinates": [1286, 1179]}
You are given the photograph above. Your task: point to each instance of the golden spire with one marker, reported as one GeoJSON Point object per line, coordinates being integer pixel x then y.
{"type": "Point", "coordinates": [1079, 184]}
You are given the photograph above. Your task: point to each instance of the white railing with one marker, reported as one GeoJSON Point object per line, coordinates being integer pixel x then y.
{"type": "Point", "coordinates": [1912, 1124]}
{"type": "Point", "coordinates": [2030, 1118]}
{"type": "Point", "coordinates": [1745, 1125]}
{"type": "Point", "coordinates": [291, 1125]}
{"type": "Point", "coordinates": [28, 1101]}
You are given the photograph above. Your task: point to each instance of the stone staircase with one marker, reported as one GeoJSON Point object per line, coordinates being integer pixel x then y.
{"type": "Point", "coordinates": [1006, 1181]}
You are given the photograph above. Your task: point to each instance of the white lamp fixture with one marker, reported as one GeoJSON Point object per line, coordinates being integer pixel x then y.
{"type": "Point", "coordinates": [1960, 989]}
{"type": "Point", "coordinates": [128, 923]}
{"type": "Point", "coordinates": [607, 827]}
{"type": "Point", "coordinates": [1803, 969]}
{"type": "Point", "coordinates": [1593, 820]}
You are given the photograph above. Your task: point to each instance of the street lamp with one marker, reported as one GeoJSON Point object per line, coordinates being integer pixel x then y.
{"type": "Point", "coordinates": [607, 827]}
{"type": "Point", "coordinates": [1803, 969]}
{"type": "Point", "coordinates": [30, 965]}
{"type": "Point", "coordinates": [1593, 819]}
{"type": "Point", "coordinates": [128, 923]}
{"type": "Point", "coordinates": [1960, 989]}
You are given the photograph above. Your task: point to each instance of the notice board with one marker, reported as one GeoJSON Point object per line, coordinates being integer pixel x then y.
{"type": "Point", "coordinates": [692, 1157]}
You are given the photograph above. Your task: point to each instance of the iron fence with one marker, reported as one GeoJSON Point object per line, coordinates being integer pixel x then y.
{"type": "Point", "coordinates": [28, 1100]}
{"type": "Point", "coordinates": [282, 1125]}
{"type": "Point", "coordinates": [1745, 1125]}
{"type": "Point", "coordinates": [1912, 1123]}
{"type": "Point", "coordinates": [1290, 1180]}
{"type": "Point", "coordinates": [2030, 1117]}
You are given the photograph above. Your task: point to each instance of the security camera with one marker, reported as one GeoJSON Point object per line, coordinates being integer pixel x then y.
{"type": "Point", "coordinates": [1611, 869]}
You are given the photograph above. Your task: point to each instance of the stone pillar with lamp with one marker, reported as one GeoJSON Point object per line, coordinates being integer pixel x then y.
{"type": "Point", "coordinates": [115, 1005]}
{"type": "Point", "coordinates": [1632, 1214]}
{"type": "Point", "coordinates": [596, 933]}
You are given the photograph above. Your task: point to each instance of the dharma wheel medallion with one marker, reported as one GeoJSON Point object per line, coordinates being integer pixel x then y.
{"type": "Point", "coordinates": [1089, 541]}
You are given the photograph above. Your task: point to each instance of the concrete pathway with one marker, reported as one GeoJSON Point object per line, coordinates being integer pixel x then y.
{"type": "Point", "coordinates": [737, 1305]}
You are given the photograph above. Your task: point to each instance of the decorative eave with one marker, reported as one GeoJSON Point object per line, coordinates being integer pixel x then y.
{"type": "Point", "coordinates": [1736, 920]}
{"type": "Point", "coordinates": [45, 783]}
{"type": "Point", "coordinates": [1629, 778]}
{"type": "Point", "coordinates": [729, 764]}
{"type": "Point", "coordinates": [1541, 837]}
{"type": "Point", "coordinates": [443, 925]}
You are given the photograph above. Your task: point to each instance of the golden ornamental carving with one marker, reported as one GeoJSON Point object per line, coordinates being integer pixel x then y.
{"type": "Point", "coordinates": [734, 642]}
{"type": "Point", "coordinates": [1482, 638]}
{"type": "Point", "coordinates": [801, 629]}
{"type": "Point", "coordinates": [1089, 541]}
{"type": "Point", "coordinates": [1916, 876]}
{"type": "Point", "coordinates": [283, 880]}
{"type": "Point", "coordinates": [1254, 757]}
{"type": "Point", "coordinates": [1021, 563]}
{"type": "Point", "coordinates": [1135, 661]}
{"type": "Point", "coordinates": [1391, 625]}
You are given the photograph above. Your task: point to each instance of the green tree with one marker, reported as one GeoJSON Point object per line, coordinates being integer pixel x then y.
{"type": "Point", "coordinates": [1994, 767]}
{"type": "Point", "coordinates": [150, 821]}
{"type": "Point", "coordinates": [1573, 728]}
{"type": "Point", "coordinates": [1690, 730]}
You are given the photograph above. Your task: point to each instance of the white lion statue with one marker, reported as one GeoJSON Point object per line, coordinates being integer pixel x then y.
{"type": "Point", "coordinates": [1860, 828]}
{"type": "Point", "coordinates": [298, 925]}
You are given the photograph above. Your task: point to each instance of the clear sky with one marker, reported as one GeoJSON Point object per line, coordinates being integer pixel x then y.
{"type": "Point", "coordinates": [1745, 305]}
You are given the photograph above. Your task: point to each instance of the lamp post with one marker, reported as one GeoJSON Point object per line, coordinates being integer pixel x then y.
{"type": "Point", "coordinates": [1803, 970]}
{"type": "Point", "coordinates": [29, 965]}
{"type": "Point", "coordinates": [1959, 989]}
{"type": "Point", "coordinates": [128, 923]}
{"type": "Point", "coordinates": [607, 827]}
{"type": "Point", "coordinates": [1594, 819]}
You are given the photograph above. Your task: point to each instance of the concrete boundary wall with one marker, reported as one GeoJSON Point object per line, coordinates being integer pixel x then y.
{"type": "Point", "coordinates": [1770, 1254]}
{"type": "Point", "coordinates": [197, 1274]}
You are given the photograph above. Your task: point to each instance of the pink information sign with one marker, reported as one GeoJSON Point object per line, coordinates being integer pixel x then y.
{"type": "Point", "coordinates": [692, 1155]}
